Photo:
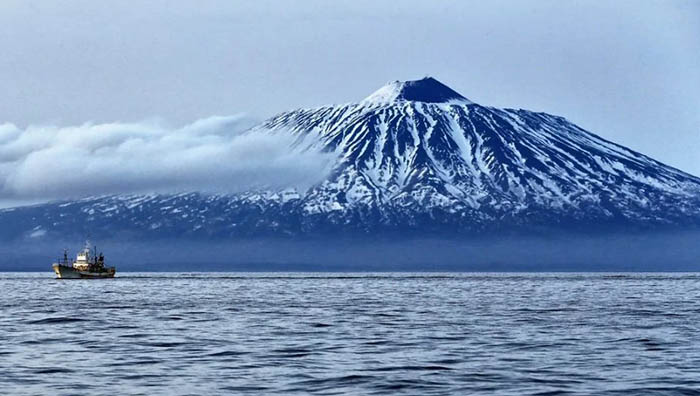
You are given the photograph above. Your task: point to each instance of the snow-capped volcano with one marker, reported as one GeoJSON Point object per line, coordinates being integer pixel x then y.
{"type": "Point", "coordinates": [414, 157]}
{"type": "Point", "coordinates": [420, 147]}
{"type": "Point", "coordinates": [427, 90]}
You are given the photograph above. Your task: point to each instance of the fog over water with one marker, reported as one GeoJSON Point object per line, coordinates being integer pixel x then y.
{"type": "Point", "coordinates": [660, 251]}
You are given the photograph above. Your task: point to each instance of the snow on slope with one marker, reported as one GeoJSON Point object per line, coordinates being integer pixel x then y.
{"type": "Point", "coordinates": [427, 90]}
{"type": "Point", "coordinates": [417, 157]}
{"type": "Point", "coordinates": [461, 155]}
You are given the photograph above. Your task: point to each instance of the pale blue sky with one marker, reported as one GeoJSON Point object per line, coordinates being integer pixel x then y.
{"type": "Point", "coordinates": [629, 71]}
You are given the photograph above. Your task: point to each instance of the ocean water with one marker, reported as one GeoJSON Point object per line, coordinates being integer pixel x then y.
{"type": "Point", "coordinates": [350, 334]}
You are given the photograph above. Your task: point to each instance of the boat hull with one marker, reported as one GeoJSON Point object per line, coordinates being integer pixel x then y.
{"type": "Point", "coordinates": [66, 272]}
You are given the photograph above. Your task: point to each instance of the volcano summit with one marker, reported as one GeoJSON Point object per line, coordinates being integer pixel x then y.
{"type": "Point", "coordinates": [413, 158]}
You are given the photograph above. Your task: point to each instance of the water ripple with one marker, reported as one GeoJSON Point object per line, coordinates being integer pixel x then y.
{"type": "Point", "coordinates": [362, 334]}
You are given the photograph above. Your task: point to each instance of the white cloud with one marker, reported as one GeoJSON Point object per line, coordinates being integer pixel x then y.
{"type": "Point", "coordinates": [216, 154]}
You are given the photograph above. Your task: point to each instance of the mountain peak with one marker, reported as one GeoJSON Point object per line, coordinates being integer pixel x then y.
{"type": "Point", "coordinates": [427, 89]}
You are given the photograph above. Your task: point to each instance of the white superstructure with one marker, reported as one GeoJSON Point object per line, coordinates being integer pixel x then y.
{"type": "Point", "coordinates": [87, 264]}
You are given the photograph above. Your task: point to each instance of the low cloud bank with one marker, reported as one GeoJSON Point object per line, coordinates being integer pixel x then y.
{"type": "Point", "coordinates": [215, 154]}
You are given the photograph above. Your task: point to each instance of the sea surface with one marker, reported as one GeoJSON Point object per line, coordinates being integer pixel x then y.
{"type": "Point", "coordinates": [350, 334]}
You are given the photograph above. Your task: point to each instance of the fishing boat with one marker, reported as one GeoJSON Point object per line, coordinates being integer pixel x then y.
{"type": "Point", "coordinates": [87, 265]}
